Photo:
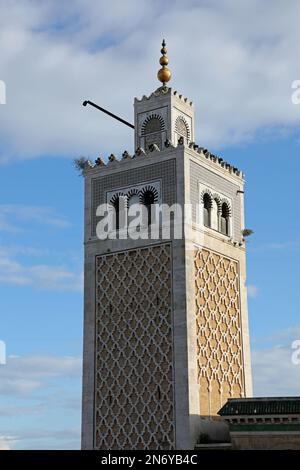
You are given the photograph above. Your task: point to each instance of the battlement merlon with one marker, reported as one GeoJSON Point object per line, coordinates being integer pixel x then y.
{"type": "Point", "coordinates": [199, 152]}
{"type": "Point", "coordinates": [163, 91]}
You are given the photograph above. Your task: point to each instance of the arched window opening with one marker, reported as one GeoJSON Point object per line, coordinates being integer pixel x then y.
{"type": "Point", "coordinates": [214, 215]}
{"type": "Point", "coordinates": [119, 212]}
{"type": "Point", "coordinates": [182, 129]}
{"type": "Point", "coordinates": [153, 125]}
{"type": "Point", "coordinates": [148, 201]}
{"type": "Point", "coordinates": [207, 210]}
{"type": "Point", "coordinates": [224, 220]}
{"type": "Point", "coordinates": [152, 131]}
{"type": "Point", "coordinates": [133, 202]}
{"type": "Point", "coordinates": [116, 208]}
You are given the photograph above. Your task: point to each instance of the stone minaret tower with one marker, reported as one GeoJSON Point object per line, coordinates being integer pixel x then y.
{"type": "Point", "coordinates": [166, 337]}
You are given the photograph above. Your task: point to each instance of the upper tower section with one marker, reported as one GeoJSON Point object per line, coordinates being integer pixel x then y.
{"type": "Point", "coordinates": [163, 116]}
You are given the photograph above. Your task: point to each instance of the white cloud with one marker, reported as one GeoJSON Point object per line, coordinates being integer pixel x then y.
{"type": "Point", "coordinates": [40, 276]}
{"type": "Point", "coordinates": [283, 245]}
{"type": "Point", "coordinates": [12, 249]}
{"type": "Point", "coordinates": [6, 226]}
{"type": "Point", "coordinates": [39, 439]}
{"type": "Point", "coordinates": [285, 337]}
{"type": "Point", "coordinates": [56, 55]}
{"type": "Point", "coordinates": [276, 245]}
{"type": "Point", "coordinates": [17, 218]}
{"type": "Point", "coordinates": [7, 442]}
{"type": "Point", "coordinates": [16, 410]}
{"type": "Point", "coordinates": [41, 402]}
{"type": "Point", "coordinates": [252, 290]}
{"type": "Point", "coordinates": [9, 213]}
{"type": "Point", "coordinates": [274, 373]}
{"type": "Point", "coordinates": [21, 376]}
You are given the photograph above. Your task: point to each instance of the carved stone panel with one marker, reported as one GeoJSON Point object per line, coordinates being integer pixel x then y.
{"type": "Point", "coordinates": [134, 404]}
{"type": "Point", "coordinates": [218, 323]}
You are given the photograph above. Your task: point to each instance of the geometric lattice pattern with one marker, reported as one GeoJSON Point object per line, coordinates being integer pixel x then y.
{"type": "Point", "coordinates": [218, 322]}
{"type": "Point", "coordinates": [134, 405]}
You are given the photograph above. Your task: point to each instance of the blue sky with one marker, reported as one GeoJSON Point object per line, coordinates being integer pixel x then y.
{"type": "Point", "coordinates": [238, 69]}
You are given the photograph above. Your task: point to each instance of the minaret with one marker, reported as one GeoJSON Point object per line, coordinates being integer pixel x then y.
{"type": "Point", "coordinates": [166, 337]}
{"type": "Point", "coordinates": [165, 115]}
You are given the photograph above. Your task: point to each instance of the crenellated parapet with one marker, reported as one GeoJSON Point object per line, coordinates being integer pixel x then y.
{"type": "Point", "coordinates": [154, 149]}
{"type": "Point", "coordinates": [162, 92]}
{"type": "Point", "coordinates": [216, 159]}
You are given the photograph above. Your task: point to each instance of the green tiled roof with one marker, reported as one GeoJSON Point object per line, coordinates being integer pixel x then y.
{"type": "Point", "coordinates": [263, 427]}
{"type": "Point", "coordinates": [261, 406]}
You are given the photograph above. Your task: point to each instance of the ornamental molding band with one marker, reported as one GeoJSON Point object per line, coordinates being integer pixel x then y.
{"type": "Point", "coordinates": [218, 325]}
{"type": "Point", "coordinates": [134, 395]}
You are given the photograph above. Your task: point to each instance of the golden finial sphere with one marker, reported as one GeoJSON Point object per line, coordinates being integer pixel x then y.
{"type": "Point", "coordinates": [164, 75]}
{"type": "Point", "coordinates": [164, 60]}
